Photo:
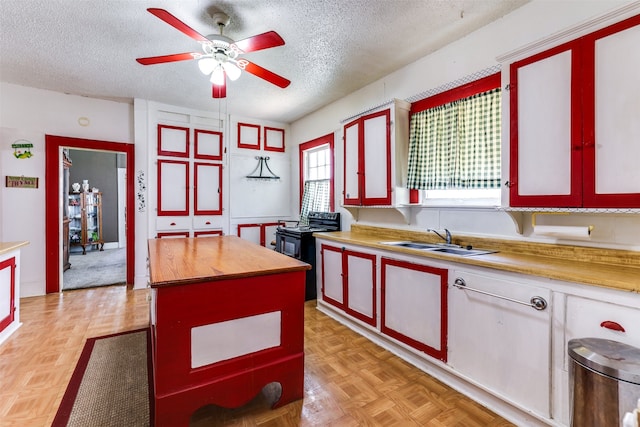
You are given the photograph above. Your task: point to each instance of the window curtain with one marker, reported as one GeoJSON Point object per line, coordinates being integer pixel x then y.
{"type": "Point", "coordinates": [456, 145]}
{"type": "Point", "coordinates": [315, 198]}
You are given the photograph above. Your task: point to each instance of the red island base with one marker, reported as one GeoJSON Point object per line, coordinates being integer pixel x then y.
{"type": "Point", "coordinates": [219, 339]}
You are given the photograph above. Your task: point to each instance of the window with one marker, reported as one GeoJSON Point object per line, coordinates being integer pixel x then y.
{"type": "Point", "coordinates": [316, 176]}
{"type": "Point", "coordinates": [454, 144]}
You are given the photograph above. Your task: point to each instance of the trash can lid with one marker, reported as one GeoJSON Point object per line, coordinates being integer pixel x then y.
{"type": "Point", "coordinates": [611, 358]}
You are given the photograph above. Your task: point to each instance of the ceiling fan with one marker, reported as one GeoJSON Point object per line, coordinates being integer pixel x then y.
{"type": "Point", "coordinates": [221, 55]}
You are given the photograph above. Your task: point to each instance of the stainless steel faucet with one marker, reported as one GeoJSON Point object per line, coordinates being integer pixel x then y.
{"type": "Point", "coordinates": [447, 234]}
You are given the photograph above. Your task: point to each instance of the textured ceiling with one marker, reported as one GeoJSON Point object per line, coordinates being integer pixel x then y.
{"type": "Point", "coordinates": [333, 47]}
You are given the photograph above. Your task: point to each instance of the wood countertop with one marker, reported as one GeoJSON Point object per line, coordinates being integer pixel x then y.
{"type": "Point", "coordinates": [610, 268]}
{"type": "Point", "coordinates": [6, 247]}
{"type": "Point", "coordinates": [178, 261]}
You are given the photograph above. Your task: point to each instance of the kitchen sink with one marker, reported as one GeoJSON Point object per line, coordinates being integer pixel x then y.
{"type": "Point", "coordinates": [414, 245]}
{"type": "Point", "coordinates": [463, 251]}
{"type": "Point", "coordinates": [439, 247]}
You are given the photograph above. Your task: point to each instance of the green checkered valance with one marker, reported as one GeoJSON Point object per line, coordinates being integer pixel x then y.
{"type": "Point", "coordinates": [456, 145]}
{"type": "Point", "coordinates": [315, 198]}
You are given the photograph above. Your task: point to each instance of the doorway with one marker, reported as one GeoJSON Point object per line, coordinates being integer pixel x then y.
{"type": "Point", "coordinates": [53, 198]}
{"type": "Point", "coordinates": [96, 248]}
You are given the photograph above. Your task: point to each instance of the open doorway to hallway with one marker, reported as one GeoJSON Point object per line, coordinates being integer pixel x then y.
{"type": "Point", "coordinates": [94, 195]}
{"type": "Point", "coordinates": [54, 177]}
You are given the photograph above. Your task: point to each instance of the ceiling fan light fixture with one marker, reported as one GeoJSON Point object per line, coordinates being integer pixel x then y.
{"type": "Point", "coordinates": [207, 65]}
{"type": "Point", "coordinates": [217, 76]}
{"type": "Point", "coordinates": [232, 70]}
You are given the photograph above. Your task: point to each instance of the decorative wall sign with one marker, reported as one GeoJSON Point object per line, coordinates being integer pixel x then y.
{"type": "Point", "coordinates": [142, 187]}
{"type": "Point", "coordinates": [273, 139]}
{"type": "Point", "coordinates": [248, 136]}
{"type": "Point", "coordinates": [21, 182]}
{"type": "Point", "coordinates": [22, 149]}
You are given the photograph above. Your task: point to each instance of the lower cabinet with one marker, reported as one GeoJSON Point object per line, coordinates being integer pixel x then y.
{"type": "Point", "coordinates": [349, 282]}
{"type": "Point", "coordinates": [499, 337]}
{"type": "Point", "coordinates": [591, 313]}
{"type": "Point", "coordinates": [263, 234]}
{"type": "Point", "coordinates": [414, 305]}
{"type": "Point", "coordinates": [498, 343]}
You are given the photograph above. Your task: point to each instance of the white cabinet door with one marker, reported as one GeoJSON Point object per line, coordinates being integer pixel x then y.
{"type": "Point", "coordinates": [544, 127]}
{"type": "Point", "coordinates": [173, 187]}
{"type": "Point", "coordinates": [376, 158]}
{"type": "Point", "coordinates": [414, 305]}
{"type": "Point", "coordinates": [617, 128]}
{"type": "Point", "coordinates": [269, 231]}
{"type": "Point", "coordinates": [351, 164]}
{"type": "Point", "coordinates": [360, 282]}
{"type": "Point", "coordinates": [332, 283]}
{"type": "Point", "coordinates": [250, 232]}
{"type": "Point", "coordinates": [207, 189]}
{"type": "Point", "coordinates": [499, 344]}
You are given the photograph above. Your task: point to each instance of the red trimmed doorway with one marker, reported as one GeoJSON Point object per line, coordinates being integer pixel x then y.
{"type": "Point", "coordinates": [53, 173]}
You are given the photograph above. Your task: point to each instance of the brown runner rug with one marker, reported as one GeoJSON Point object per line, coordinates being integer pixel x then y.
{"type": "Point", "coordinates": [110, 385]}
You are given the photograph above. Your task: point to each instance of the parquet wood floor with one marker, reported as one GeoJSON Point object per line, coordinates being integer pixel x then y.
{"type": "Point", "coordinates": [349, 381]}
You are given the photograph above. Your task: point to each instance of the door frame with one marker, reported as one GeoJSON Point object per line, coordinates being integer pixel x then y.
{"type": "Point", "coordinates": [53, 190]}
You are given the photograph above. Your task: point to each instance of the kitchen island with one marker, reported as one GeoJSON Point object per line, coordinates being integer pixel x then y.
{"type": "Point", "coordinates": [227, 318]}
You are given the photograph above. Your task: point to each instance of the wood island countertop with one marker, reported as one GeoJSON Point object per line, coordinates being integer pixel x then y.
{"type": "Point", "coordinates": [609, 268]}
{"type": "Point", "coordinates": [178, 261]}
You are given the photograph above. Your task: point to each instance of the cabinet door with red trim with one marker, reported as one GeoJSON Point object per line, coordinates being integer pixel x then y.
{"type": "Point", "coordinates": [612, 125]}
{"type": "Point", "coordinates": [207, 189]}
{"type": "Point", "coordinates": [574, 132]}
{"type": "Point", "coordinates": [375, 157]}
{"type": "Point", "coordinates": [333, 291]}
{"type": "Point", "coordinates": [546, 160]}
{"type": "Point", "coordinates": [349, 282]}
{"type": "Point", "coordinates": [173, 187]}
{"type": "Point", "coordinates": [360, 283]}
{"type": "Point", "coordinates": [263, 234]}
{"type": "Point", "coordinates": [367, 160]}
{"type": "Point", "coordinates": [351, 163]}
{"type": "Point", "coordinates": [7, 292]}
{"type": "Point", "coordinates": [414, 305]}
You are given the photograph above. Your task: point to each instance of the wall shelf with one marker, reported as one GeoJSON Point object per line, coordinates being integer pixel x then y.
{"type": "Point", "coordinates": [405, 211]}
{"type": "Point", "coordinates": [517, 214]}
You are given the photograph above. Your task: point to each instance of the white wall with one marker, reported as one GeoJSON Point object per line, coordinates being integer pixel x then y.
{"type": "Point", "coordinates": [28, 113]}
{"type": "Point", "coordinates": [478, 51]}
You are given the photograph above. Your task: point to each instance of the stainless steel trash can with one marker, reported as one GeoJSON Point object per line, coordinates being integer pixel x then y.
{"type": "Point", "coordinates": [604, 381]}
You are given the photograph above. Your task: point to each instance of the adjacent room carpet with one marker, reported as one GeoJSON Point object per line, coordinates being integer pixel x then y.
{"type": "Point", "coordinates": [96, 268]}
{"type": "Point", "coordinates": [110, 385]}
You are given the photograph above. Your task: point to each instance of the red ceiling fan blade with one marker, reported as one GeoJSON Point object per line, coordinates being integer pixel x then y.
{"type": "Point", "coordinates": [265, 74]}
{"type": "Point", "coordinates": [167, 58]}
{"type": "Point", "coordinates": [177, 24]}
{"type": "Point", "coordinates": [220, 91]}
{"type": "Point", "coordinates": [259, 42]}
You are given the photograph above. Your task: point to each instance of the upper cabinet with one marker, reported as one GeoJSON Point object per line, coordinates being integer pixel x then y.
{"type": "Point", "coordinates": [189, 180]}
{"type": "Point", "coordinates": [574, 128]}
{"type": "Point", "coordinates": [375, 156]}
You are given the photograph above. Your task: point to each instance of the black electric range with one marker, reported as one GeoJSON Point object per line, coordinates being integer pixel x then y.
{"type": "Point", "coordinates": [298, 242]}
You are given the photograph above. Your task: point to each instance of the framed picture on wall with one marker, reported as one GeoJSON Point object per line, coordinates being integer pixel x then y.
{"type": "Point", "coordinates": [273, 139]}
{"type": "Point", "coordinates": [248, 136]}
